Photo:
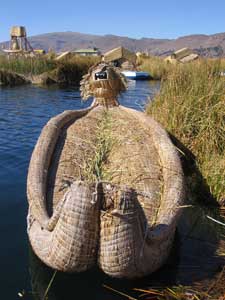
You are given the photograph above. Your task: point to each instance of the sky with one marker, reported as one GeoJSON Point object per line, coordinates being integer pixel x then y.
{"type": "Point", "coordinates": [137, 19]}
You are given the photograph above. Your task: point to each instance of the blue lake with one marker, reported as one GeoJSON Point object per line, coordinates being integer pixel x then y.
{"type": "Point", "coordinates": [23, 113]}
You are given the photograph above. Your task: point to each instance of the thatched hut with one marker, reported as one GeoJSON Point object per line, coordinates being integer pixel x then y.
{"type": "Point", "coordinates": [105, 186]}
{"type": "Point", "coordinates": [183, 55]}
{"type": "Point", "coordinates": [121, 57]}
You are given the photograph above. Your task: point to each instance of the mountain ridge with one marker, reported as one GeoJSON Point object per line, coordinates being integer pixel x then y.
{"type": "Point", "coordinates": [206, 45]}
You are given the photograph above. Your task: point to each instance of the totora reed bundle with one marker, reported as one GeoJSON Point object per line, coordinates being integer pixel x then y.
{"type": "Point", "coordinates": [105, 186]}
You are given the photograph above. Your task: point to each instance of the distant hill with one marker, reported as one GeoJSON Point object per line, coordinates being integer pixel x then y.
{"type": "Point", "coordinates": [206, 45]}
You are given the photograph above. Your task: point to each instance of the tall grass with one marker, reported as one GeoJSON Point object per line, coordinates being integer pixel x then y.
{"type": "Point", "coordinates": [191, 107]}
{"type": "Point", "coordinates": [156, 66]}
{"type": "Point", "coordinates": [71, 71]}
{"type": "Point", "coordinates": [27, 65]}
{"type": "Point", "coordinates": [39, 65]}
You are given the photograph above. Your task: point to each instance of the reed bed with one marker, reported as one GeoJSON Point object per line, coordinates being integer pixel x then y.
{"type": "Point", "coordinates": [70, 71]}
{"type": "Point", "coordinates": [156, 66]}
{"type": "Point", "coordinates": [191, 107]}
{"type": "Point", "coordinates": [31, 66]}
{"type": "Point", "coordinates": [27, 65]}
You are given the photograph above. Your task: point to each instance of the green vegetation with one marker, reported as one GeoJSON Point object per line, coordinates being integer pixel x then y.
{"type": "Point", "coordinates": [94, 169]}
{"type": "Point", "coordinates": [191, 106]}
{"type": "Point", "coordinates": [27, 65]}
{"type": "Point", "coordinates": [70, 71]}
{"type": "Point", "coordinates": [67, 71]}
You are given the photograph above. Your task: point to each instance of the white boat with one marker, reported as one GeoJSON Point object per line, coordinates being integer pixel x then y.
{"type": "Point", "coordinates": [136, 75]}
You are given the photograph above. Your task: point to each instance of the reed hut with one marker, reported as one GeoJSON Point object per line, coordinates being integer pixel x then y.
{"type": "Point", "coordinates": [121, 57]}
{"type": "Point", "coordinates": [183, 55]}
{"type": "Point", "coordinates": [105, 186]}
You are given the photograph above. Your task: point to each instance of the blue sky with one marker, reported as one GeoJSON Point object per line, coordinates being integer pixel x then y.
{"type": "Point", "coordinates": [143, 18]}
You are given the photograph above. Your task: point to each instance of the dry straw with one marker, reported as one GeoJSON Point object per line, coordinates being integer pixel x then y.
{"type": "Point", "coordinates": [104, 186]}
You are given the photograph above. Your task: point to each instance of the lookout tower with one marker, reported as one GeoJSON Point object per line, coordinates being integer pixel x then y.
{"type": "Point", "coordinates": [19, 43]}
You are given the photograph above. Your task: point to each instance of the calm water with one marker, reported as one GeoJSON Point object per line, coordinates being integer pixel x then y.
{"type": "Point", "coordinates": [23, 112]}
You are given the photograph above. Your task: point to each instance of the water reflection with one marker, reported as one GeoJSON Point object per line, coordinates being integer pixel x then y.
{"type": "Point", "coordinates": [138, 92]}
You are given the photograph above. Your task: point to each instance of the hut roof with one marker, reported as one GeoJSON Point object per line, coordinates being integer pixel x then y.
{"type": "Point", "coordinates": [179, 54]}
{"type": "Point", "coordinates": [118, 53]}
{"type": "Point", "coordinates": [18, 31]}
{"type": "Point", "coordinates": [182, 55]}
{"type": "Point", "coordinates": [188, 58]}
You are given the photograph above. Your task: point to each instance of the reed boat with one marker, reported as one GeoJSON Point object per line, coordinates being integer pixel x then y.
{"type": "Point", "coordinates": [105, 186]}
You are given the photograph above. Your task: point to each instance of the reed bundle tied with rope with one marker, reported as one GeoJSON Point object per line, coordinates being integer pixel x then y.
{"type": "Point", "coordinates": [105, 186]}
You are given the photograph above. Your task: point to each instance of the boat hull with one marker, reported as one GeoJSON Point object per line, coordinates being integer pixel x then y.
{"type": "Point", "coordinates": [124, 224]}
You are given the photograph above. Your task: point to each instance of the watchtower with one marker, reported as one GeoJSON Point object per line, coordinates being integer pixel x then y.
{"type": "Point", "coordinates": [19, 43]}
{"type": "Point", "coordinates": [19, 39]}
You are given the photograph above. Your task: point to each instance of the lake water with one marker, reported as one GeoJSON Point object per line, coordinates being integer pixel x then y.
{"type": "Point", "coordinates": [23, 113]}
